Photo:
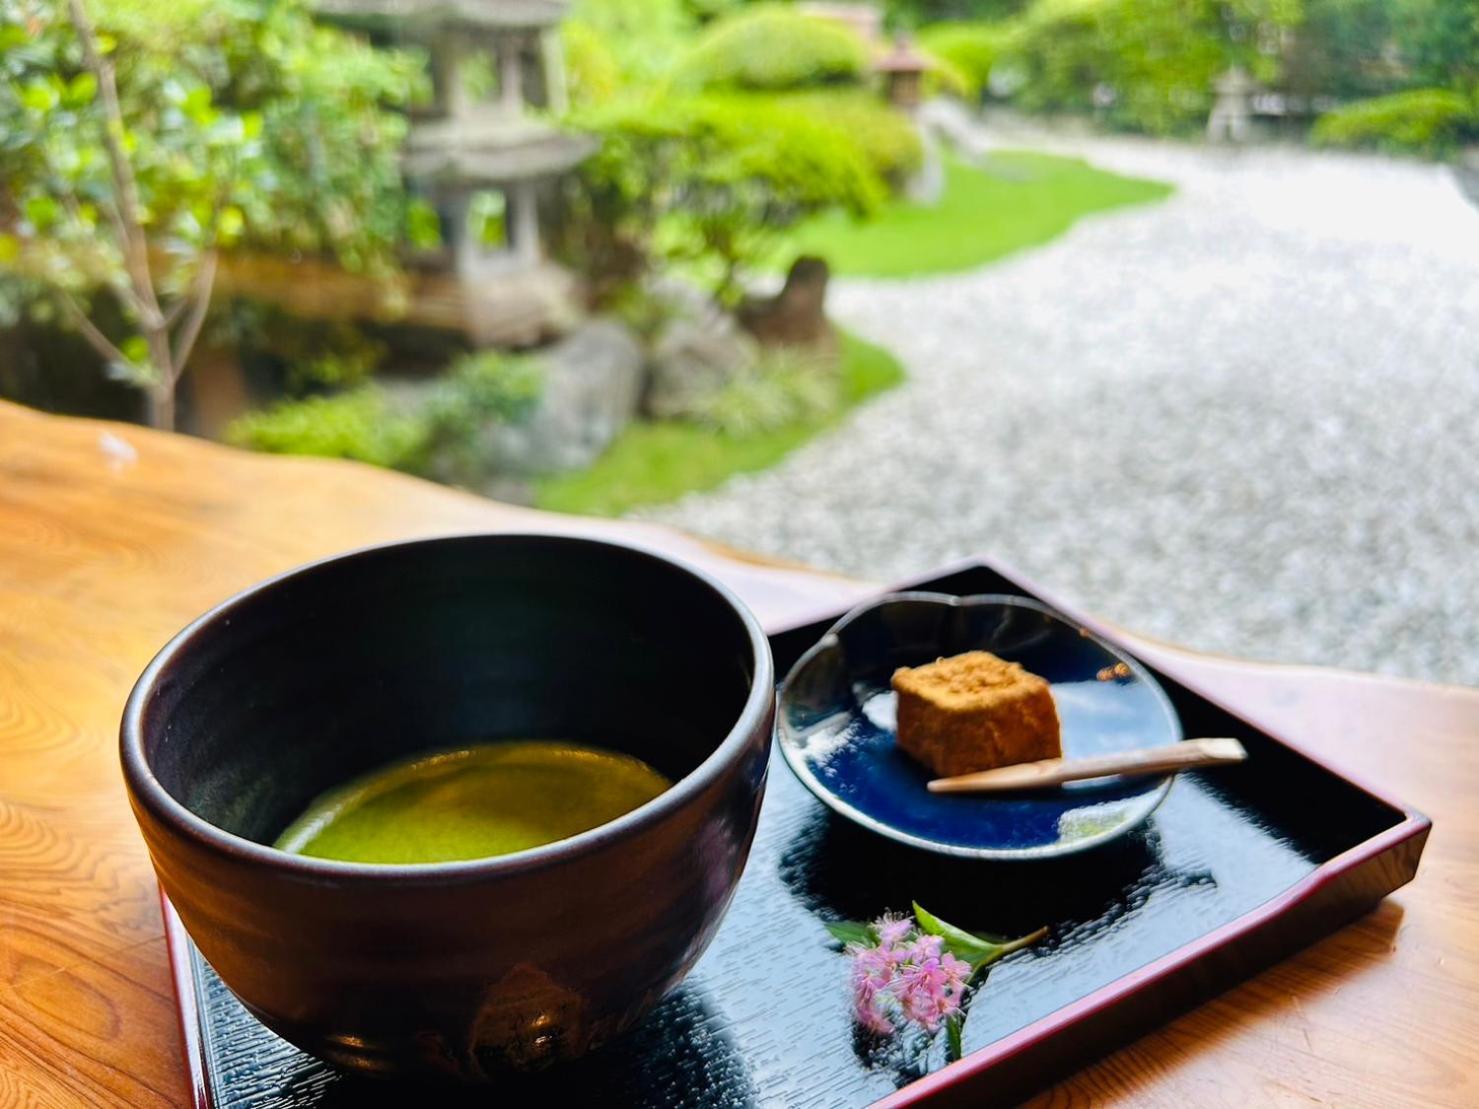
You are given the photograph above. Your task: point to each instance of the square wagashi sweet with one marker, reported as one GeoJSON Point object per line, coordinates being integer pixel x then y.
{"type": "Point", "coordinates": [975, 711]}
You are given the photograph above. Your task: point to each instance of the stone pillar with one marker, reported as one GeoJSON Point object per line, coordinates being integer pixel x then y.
{"type": "Point", "coordinates": [522, 215]}
{"type": "Point", "coordinates": [467, 253]}
{"type": "Point", "coordinates": [447, 55]}
{"type": "Point", "coordinates": [557, 98]}
{"type": "Point", "coordinates": [510, 75]}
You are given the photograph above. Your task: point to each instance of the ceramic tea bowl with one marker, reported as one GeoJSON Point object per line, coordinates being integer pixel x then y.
{"type": "Point", "coordinates": [462, 969]}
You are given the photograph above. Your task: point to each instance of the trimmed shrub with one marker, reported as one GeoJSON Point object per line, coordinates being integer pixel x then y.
{"type": "Point", "coordinates": [884, 136]}
{"type": "Point", "coordinates": [369, 424]}
{"type": "Point", "coordinates": [592, 74]}
{"type": "Point", "coordinates": [773, 47]}
{"type": "Point", "coordinates": [785, 387]}
{"type": "Point", "coordinates": [708, 179]}
{"type": "Point", "coordinates": [1421, 121]}
{"type": "Point", "coordinates": [966, 52]}
{"type": "Point", "coordinates": [1144, 65]}
{"type": "Point", "coordinates": [361, 424]}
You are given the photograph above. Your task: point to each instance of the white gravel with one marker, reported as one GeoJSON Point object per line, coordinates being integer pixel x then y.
{"type": "Point", "coordinates": [1245, 419]}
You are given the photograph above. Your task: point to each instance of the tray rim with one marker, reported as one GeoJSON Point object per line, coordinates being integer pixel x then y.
{"type": "Point", "coordinates": [954, 1077]}
{"type": "Point", "coordinates": [1412, 824]}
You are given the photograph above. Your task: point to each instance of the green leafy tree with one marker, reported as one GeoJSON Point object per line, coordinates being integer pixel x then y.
{"type": "Point", "coordinates": [773, 46]}
{"type": "Point", "coordinates": [1145, 64]}
{"type": "Point", "coordinates": [141, 138]}
{"type": "Point", "coordinates": [709, 179]}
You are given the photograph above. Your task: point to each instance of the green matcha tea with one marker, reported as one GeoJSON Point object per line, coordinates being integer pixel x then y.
{"type": "Point", "coordinates": [491, 799]}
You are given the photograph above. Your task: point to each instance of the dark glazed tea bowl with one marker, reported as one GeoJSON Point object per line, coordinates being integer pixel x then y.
{"type": "Point", "coordinates": [460, 969]}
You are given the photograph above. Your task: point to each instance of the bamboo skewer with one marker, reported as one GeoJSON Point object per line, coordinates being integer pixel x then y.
{"type": "Point", "coordinates": [1051, 772]}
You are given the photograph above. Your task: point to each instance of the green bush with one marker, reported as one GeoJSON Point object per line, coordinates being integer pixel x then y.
{"type": "Point", "coordinates": [592, 73]}
{"type": "Point", "coordinates": [370, 424]}
{"type": "Point", "coordinates": [966, 50]}
{"type": "Point", "coordinates": [1421, 121]}
{"type": "Point", "coordinates": [773, 47]}
{"type": "Point", "coordinates": [1145, 65]}
{"type": "Point", "coordinates": [709, 180]}
{"type": "Point", "coordinates": [645, 38]}
{"type": "Point", "coordinates": [785, 387]}
{"type": "Point", "coordinates": [361, 424]}
{"type": "Point", "coordinates": [883, 135]}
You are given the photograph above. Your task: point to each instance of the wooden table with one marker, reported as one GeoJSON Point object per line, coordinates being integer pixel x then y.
{"type": "Point", "coordinates": [112, 537]}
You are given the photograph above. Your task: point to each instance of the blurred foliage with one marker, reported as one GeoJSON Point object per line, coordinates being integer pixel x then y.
{"type": "Point", "coordinates": [712, 177]}
{"type": "Point", "coordinates": [363, 424]}
{"type": "Point", "coordinates": [651, 463]}
{"type": "Point", "coordinates": [247, 114]}
{"type": "Point", "coordinates": [1438, 41]}
{"type": "Point", "coordinates": [919, 13]}
{"type": "Point", "coordinates": [1147, 65]}
{"type": "Point", "coordinates": [884, 136]}
{"type": "Point", "coordinates": [785, 386]}
{"type": "Point", "coordinates": [243, 124]}
{"type": "Point", "coordinates": [374, 424]}
{"type": "Point", "coordinates": [1418, 121]}
{"type": "Point", "coordinates": [592, 74]}
{"type": "Point", "coordinates": [968, 49]}
{"type": "Point", "coordinates": [643, 38]}
{"type": "Point", "coordinates": [773, 46]}
{"type": "Point", "coordinates": [1341, 48]}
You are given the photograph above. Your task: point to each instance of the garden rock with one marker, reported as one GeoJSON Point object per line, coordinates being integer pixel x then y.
{"type": "Point", "coordinates": [797, 315]}
{"type": "Point", "coordinates": [694, 357]}
{"type": "Point", "coordinates": [592, 384]}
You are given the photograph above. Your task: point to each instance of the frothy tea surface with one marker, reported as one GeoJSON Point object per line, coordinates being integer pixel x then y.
{"type": "Point", "coordinates": [491, 799]}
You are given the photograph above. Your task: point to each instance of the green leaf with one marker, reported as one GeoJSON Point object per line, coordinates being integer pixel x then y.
{"type": "Point", "coordinates": [231, 223]}
{"type": "Point", "coordinates": [39, 96]}
{"type": "Point", "coordinates": [81, 90]}
{"type": "Point", "coordinates": [136, 350]}
{"type": "Point", "coordinates": [10, 249]}
{"type": "Point", "coordinates": [953, 1042]}
{"type": "Point", "coordinates": [851, 931]}
{"type": "Point", "coordinates": [423, 227]}
{"type": "Point", "coordinates": [975, 949]}
{"type": "Point", "coordinates": [42, 211]}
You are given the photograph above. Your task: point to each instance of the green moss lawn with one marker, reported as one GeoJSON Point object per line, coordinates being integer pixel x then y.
{"type": "Point", "coordinates": [656, 462]}
{"type": "Point", "coordinates": [1015, 199]}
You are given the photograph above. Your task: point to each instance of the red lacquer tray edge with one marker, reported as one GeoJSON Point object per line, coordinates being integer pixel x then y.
{"type": "Point", "coordinates": [1329, 897]}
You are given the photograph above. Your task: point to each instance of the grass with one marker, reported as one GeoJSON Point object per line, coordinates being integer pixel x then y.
{"type": "Point", "coordinates": [1016, 199]}
{"type": "Point", "coordinates": [656, 462]}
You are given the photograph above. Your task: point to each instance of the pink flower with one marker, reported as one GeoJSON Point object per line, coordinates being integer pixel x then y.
{"type": "Point", "coordinates": [872, 975]}
{"type": "Point", "coordinates": [929, 986]}
{"type": "Point", "coordinates": [892, 930]}
{"type": "Point", "coordinates": [906, 975]}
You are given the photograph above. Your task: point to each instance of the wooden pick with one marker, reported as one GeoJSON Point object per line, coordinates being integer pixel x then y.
{"type": "Point", "coordinates": [1051, 772]}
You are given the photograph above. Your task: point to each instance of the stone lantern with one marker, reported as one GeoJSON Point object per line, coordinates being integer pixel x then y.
{"type": "Point", "coordinates": [485, 140]}
{"type": "Point", "coordinates": [1231, 118]}
{"type": "Point", "coordinates": [903, 70]}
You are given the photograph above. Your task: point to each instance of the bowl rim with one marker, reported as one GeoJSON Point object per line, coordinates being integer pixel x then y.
{"type": "Point", "coordinates": [831, 640]}
{"type": "Point", "coordinates": [148, 793]}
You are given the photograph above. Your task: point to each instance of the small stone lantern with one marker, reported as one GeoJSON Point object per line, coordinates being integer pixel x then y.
{"type": "Point", "coordinates": [903, 73]}
{"type": "Point", "coordinates": [1231, 119]}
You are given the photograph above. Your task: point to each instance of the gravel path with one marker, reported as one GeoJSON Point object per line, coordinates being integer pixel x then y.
{"type": "Point", "coordinates": [1246, 419]}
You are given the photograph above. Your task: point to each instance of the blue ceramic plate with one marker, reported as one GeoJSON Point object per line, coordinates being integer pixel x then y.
{"type": "Point", "coordinates": [836, 726]}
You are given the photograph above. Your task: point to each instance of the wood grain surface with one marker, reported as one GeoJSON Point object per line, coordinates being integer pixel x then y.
{"type": "Point", "coordinates": [112, 537]}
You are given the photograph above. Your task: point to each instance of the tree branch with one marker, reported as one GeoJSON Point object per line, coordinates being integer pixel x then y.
{"type": "Point", "coordinates": [100, 342]}
{"type": "Point", "coordinates": [200, 298]}
{"type": "Point", "coordinates": [135, 245]}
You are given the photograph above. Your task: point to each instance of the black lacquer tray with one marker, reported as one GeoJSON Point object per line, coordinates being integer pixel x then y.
{"type": "Point", "coordinates": [1240, 866]}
